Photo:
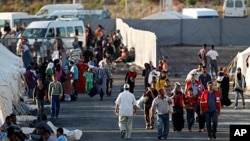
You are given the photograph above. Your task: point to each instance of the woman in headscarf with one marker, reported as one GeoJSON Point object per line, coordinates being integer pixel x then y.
{"type": "Point", "coordinates": [223, 87]}
{"type": "Point", "coordinates": [82, 67]}
{"type": "Point", "coordinates": [178, 104]}
{"type": "Point", "coordinates": [67, 86]}
{"type": "Point", "coordinates": [49, 71]}
{"type": "Point", "coordinates": [102, 75]}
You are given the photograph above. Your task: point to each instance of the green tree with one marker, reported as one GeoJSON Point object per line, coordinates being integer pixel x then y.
{"type": "Point", "coordinates": [191, 2]}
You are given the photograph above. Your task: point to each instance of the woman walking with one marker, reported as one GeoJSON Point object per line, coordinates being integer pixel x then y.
{"type": "Point", "coordinates": [239, 87]}
{"type": "Point", "coordinates": [178, 114]}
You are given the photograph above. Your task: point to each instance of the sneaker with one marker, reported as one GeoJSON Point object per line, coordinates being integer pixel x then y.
{"type": "Point", "coordinates": [151, 127]}
{"type": "Point", "coordinates": [123, 134]}
{"type": "Point", "coordinates": [235, 108]}
{"type": "Point", "coordinates": [147, 127]}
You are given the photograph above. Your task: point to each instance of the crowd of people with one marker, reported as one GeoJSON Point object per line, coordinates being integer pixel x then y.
{"type": "Point", "coordinates": [203, 96]}
{"type": "Point", "coordinates": [62, 73]}
{"type": "Point", "coordinates": [53, 73]}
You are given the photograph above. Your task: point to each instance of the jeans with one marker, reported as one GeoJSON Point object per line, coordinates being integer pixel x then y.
{"type": "Point", "coordinates": [163, 125]}
{"type": "Point", "coordinates": [125, 123]}
{"type": "Point", "coordinates": [55, 106]}
{"type": "Point", "coordinates": [40, 104]}
{"type": "Point", "coordinates": [237, 93]}
{"type": "Point", "coordinates": [211, 117]}
{"type": "Point", "coordinates": [213, 67]}
{"type": "Point", "coordinates": [190, 118]}
{"type": "Point", "coordinates": [30, 93]}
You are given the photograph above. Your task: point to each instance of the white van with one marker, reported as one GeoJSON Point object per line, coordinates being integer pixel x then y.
{"type": "Point", "coordinates": [12, 18]}
{"type": "Point", "coordinates": [234, 8]}
{"type": "Point", "coordinates": [48, 9]}
{"type": "Point", "coordinates": [198, 13]}
{"type": "Point", "coordinates": [66, 29]}
{"type": "Point", "coordinates": [81, 14]}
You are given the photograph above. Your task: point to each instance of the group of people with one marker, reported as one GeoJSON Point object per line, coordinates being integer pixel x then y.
{"type": "Point", "coordinates": [63, 73]}
{"type": "Point", "coordinates": [11, 131]}
{"type": "Point", "coordinates": [202, 98]}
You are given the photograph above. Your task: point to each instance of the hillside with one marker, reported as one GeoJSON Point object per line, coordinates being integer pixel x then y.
{"type": "Point", "coordinates": [118, 8]}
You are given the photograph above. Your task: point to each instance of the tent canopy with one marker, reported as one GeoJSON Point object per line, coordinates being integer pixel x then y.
{"type": "Point", "coordinates": [10, 81]}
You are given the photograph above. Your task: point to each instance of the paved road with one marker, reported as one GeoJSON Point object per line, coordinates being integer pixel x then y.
{"type": "Point", "coordinates": [99, 123]}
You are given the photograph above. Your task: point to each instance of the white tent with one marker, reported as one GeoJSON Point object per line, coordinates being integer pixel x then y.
{"type": "Point", "coordinates": [10, 81]}
{"type": "Point", "coordinates": [241, 60]}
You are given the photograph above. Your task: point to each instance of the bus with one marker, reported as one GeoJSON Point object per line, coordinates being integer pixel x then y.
{"type": "Point", "coordinates": [234, 8]}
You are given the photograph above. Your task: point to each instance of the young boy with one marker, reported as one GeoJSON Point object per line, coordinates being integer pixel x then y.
{"type": "Point", "coordinates": [89, 79]}
{"type": "Point", "coordinates": [190, 102]}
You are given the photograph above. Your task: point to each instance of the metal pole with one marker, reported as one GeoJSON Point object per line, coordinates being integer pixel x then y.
{"type": "Point", "coordinates": [126, 7]}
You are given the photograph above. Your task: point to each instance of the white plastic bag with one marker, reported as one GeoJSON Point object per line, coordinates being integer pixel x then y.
{"type": "Point", "coordinates": [140, 103]}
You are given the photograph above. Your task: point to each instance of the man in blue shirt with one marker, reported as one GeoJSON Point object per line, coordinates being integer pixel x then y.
{"type": "Point", "coordinates": [74, 73]}
{"type": "Point", "coordinates": [204, 77]}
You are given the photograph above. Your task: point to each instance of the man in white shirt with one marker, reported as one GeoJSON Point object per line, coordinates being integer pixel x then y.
{"type": "Point", "coordinates": [125, 108]}
{"type": "Point", "coordinates": [214, 60]}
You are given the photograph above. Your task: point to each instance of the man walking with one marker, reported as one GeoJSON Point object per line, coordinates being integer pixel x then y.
{"type": "Point", "coordinates": [161, 105]}
{"type": "Point", "coordinates": [126, 108]}
{"type": "Point", "coordinates": [214, 60]}
{"type": "Point", "coordinates": [202, 55]}
{"type": "Point", "coordinates": [55, 94]}
{"type": "Point", "coordinates": [204, 77]}
{"type": "Point", "coordinates": [210, 107]}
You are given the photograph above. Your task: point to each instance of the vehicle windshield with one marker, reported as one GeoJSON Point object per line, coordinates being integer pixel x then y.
{"type": "Point", "coordinates": [34, 33]}
{"type": "Point", "coordinates": [42, 12]}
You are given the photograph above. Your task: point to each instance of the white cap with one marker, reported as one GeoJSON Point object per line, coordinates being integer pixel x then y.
{"type": "Point", "coordinates": [126, 86]}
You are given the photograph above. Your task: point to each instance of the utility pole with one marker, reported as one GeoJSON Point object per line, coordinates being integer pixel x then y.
{"type": "Point", "coordinates": [168, 5]}
{"type": "Point", "coordinates": [126, 7]}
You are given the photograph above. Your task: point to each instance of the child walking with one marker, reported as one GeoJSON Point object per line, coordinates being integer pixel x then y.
{"type": "Point", "coordinates": [190, 102]}
{"type": "Point", "coordinates": [89, 79]}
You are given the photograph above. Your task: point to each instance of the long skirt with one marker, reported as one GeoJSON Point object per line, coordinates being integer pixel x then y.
{"type": "Point", "coordinates": [178, 118]}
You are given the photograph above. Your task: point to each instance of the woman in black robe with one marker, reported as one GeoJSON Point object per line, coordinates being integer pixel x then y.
{"type": "Point", "coordinates": [223, 87]}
